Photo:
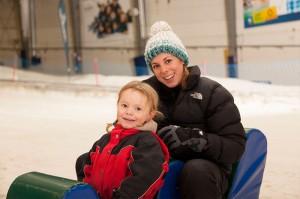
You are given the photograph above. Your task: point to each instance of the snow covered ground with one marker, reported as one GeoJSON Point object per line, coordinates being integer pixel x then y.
{"type": "Point", "coordinates": [45, 126]}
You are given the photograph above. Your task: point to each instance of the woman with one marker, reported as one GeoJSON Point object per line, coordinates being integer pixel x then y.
{"type": "Point", "coordinates": [202, 125]}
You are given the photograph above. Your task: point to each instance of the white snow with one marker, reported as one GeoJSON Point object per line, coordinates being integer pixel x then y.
{"type": "Point", "coordinates": [45, 128]}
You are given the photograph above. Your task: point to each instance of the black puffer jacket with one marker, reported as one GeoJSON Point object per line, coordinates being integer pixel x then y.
{"type": "Point", "coordinates": [207, 105]}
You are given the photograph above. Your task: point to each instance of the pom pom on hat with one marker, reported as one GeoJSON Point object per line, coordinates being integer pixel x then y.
{"type": "Point", "coordinates": [159, 26]}
{"type": "Point", "coordinates": [164, 40]}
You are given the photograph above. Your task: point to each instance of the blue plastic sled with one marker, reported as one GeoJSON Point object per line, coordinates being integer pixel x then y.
{"type": "Point", "coordinates": [246, 178]}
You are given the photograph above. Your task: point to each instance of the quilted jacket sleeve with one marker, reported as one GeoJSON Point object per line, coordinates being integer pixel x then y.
{"type": "Point", "coordinates": [225, 132]}
{"type": "Point", "coordinates": [147, 169]}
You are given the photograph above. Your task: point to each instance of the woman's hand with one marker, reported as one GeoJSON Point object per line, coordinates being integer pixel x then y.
{"type": "Point", "coordinates": [175, 137]}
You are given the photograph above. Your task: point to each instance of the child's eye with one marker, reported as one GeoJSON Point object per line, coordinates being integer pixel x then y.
{"type": "Point", "coordinates": [138, 108]}
{"type": "Point", "coordinates": [124, 105]}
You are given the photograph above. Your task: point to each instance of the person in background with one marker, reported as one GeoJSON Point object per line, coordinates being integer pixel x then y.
{"type": "Point", "coordinates": [129, 161]}
{"type": "Point", "coordinates": [201, 124]}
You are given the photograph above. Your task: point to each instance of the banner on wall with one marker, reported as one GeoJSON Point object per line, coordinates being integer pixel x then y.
{"type": "Point", "coordinates": [63, 26]}
{"type": "Point", "coordinates": [266, 12]}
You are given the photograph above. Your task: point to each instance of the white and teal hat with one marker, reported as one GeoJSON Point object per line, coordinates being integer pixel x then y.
{"type": "Point", "coordinates": [164, 40]}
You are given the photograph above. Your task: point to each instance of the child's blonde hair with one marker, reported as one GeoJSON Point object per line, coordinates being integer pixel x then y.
{"type": "Point", "coordinates": [144, 89]}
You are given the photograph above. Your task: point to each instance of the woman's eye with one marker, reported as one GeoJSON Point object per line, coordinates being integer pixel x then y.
{"type": "Point", "coordinates": [168, 61]}
{"type": "Point", "coordinates": [154, 66]}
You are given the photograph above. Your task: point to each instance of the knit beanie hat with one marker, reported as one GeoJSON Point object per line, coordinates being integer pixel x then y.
{"type": "Point", "coordinates": [164, 40]}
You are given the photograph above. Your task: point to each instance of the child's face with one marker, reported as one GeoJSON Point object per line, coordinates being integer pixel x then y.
{"type": "Point", "coordinates": [133, 109]}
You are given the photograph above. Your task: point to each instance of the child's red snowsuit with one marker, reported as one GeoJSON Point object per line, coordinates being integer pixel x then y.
{"type": "Point", "coordinates": [127, 163]}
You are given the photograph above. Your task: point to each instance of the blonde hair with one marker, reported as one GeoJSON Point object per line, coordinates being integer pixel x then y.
{"type": "Point", "coordinates": [146, 90]}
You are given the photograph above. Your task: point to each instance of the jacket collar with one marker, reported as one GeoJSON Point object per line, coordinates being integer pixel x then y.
{"type": "Point", "coordinates": [148, 126]}
{"type": "Point", "coordinates": [122, 132]}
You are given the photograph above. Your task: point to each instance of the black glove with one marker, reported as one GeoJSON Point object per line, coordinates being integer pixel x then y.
{"type": "Point", "coordinates": [175, 136]}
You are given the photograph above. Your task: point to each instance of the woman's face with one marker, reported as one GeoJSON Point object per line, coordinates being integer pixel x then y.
{"type": "Point", "coordinates": [168, 69]}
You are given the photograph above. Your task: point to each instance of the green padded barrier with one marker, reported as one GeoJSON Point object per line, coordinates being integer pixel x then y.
{"type": "Point", "coordinates": [35, 185]}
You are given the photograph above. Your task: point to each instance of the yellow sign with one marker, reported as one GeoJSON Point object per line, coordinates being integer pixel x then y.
{"type": "Point", "coordinates": [265, 15]}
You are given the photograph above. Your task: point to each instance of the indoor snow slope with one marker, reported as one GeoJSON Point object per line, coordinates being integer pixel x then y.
{"type": "Point", "coordinates": [45, 126]}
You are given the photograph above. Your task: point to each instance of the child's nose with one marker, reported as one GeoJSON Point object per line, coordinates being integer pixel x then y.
{"type": "Point", "coordinates": [129, 111]}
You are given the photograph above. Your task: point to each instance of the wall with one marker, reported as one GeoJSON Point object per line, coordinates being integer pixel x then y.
{"type": "Point", "coordinates": [49, 42]}
{"type": "Point", "coordinates": [112, 53]}
{"type": "Point", "coordinates": [269, 53]}
{"type": "Point", "coordinates": [205, 43]}
{"type": "Point", "coordinates": [9, 33]}
{"type": "Point", "coordinates": [201, 26]}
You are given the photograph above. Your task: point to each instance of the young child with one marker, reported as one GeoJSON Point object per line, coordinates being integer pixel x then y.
{"type": "Point", "coordinates": [130, 161]}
